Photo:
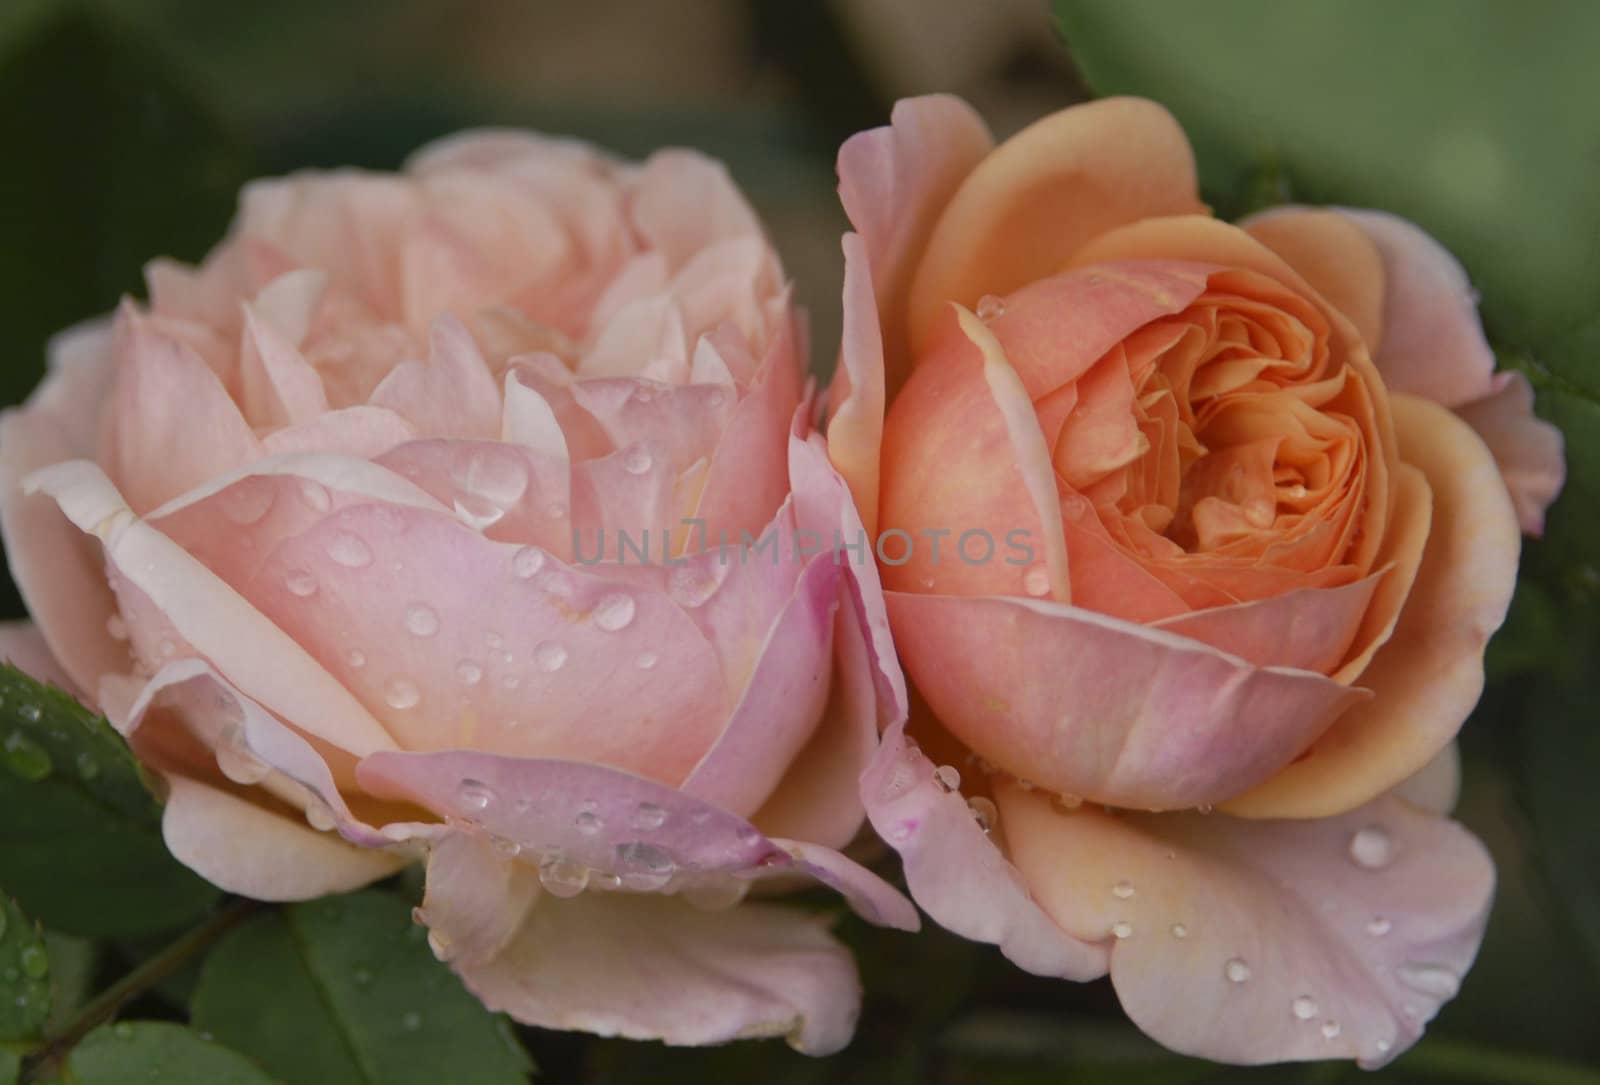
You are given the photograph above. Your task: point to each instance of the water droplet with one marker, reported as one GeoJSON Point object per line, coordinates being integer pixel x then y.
{"type": "Point", "coordinates": [34, 961]}
{"type": "Point", "coordinates": [505, 847]}
{"type": "Point", "coordinates": [349, 550]}
{"type": "Point", "coordinates": [1295, 492]}
{"type": "Point", "coordinates": [984, 812]}
{"type": "Point", "coordinates": [948, 778]}
{"type": "Point", "coordinates": [1122, 890]}
{"type": "Point", "coordinates": [469, 673]}
{"type": "Point", "coordinates": [1179, 931]}
{"type": "Point", "coordinates": [496, 475]}
{"type": "Point", "coordinates": [1121, 929]}
{"type": "Point", "coordinates": [646, 661]}
{"type": "Point", "coordinates": [241, 766]}
{"type": "Point", "coordinates": [1236, 970]}
{"type": "Point", "coordinates": [648, 817]}
{"type": "Point", "coordinates": [588, 822]}
{"type": "Point", "coordinates": [990, 308]}
{"type": "Point", "coordinates": [362, 977]}
{"type": "Point", "coordinates": [644, 867]}
{"type": "Point", "coordinates": [1330, 1030]}
{"type": "Point", "coordinates": [421, 620]}
{"type": "Point", "coordinates": [300, 582]}
{"type": "Point", "coordinates": [614, 612]}
{"type": "Point", "coordinates": [247, 501]}
{"type": "Point", "coordinates": [356, 658]}
{"type": "Point", "coordinates": [1036, 581]}
{"type": "Point", "coordinates": [26, 758]}
{"type": "Point", "coordinates": [1371, 848]}
{"type": "Point", "coordinates": [562, 877]}
{"type": "Point", "coordinates": [412, 1021]}
{"type": "Point", "coordinates": [318, 816]}
{"type": "Point", "coordinates": [401, 693]}
{"type": "Point", "coordinates": [1260, 512]}
{"type": "Point", "coordinates": [1304, 1007]}
{"type": "Point", "coordinates": [549, 656]}
{"type": "Point", "coordinates": [315, 495]}
{"type": "Point", "coordinates": [1065, 802]}
{"type": "Point", "coordinates": [1378, 926]}
{"type": "Point", "coordinates": [1075, 506]}
{"type": "Point", "coordinates": [474, 794]}
{"type": "Point", "coordinates": [30, 712]}
{"type": "Point", "coordinates": [527, 562]}
{"type": "Point", "coordinates": [1429, 979]}
{"type": "Point", "coordinates": [1384, 1046]}
{"type": "Point", "coordinates": [716, 895]}
{"type": "Point", "coordinates": [556, 510]}
{"type": "Point", "coordinates": [692, 584]}
{"type": "Point", "coordinates": [478, 513]}
{"type": "Point", "coordinates": [636, 461]}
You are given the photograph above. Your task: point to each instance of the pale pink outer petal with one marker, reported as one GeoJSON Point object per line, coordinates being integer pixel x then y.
{"type": "Point", "coordinates": [1310, 629]}
{"type": "Point", "coordinates": [650, 837]}
{"type": "Point", "coordinates": [894, 182]}
{"type": "Point", "coordinates": [453, 394]}
{"type": "Point", "coordinates": [651, 968]}
{"type": "Point", "coordinates": [956, 873]}
{"type": "Point", "coordinates": [1433, 343]}
{"type": "Point", "coordinates": [683, 202]}
{"type": "Point", "coordinates": [475, 901]}
{"type": "Point", "coordinates": [1090, 705]}
{"type": "Point", "coordinates": [253, 851]}
{"type": "Point", "coordinates": [1427, 677]}
{"type": "Point", "coordinates": [1264, 941]}
{"type": "Point", "coordinates": [22, 646]}
{"type": "Point", "coordinates": [58, 569]}
{"type": "Point", "coordinates": [1528, 449]}
{"type": "Point", "coordinates": [1437, 785]}
{"type": "Point", "coordinates": [363, 431]}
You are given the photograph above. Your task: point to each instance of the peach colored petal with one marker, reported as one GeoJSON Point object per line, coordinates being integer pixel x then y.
{"type": "Point", "coordinates": [279, 387]}
{"type": "Point", "coordinates": [1265, 941]}
{"type": "Point", "coordinates": [1428, 676]}
{"type": "Point", "coordinates": [1437, 785]}
{"type": "Point", "coordinates": [654, 968]}
{"type": "Point", "coordinates": [1528, 449]}
{"type": "Point", "coordinates": [255, 852]}
{"type": "Point", "coordinates": [1085, 704]}
{"type": "Point", "coordinates": [957, 873]}
{"type": "Point", "coordinates": [684, 202]}
{"type": "Point", "coordinates": [58, 570]}
{"type": "Point", "coordinates": [1023, 211]}
{"type": "Point", "coordinates": [450, 395]}
{"type": "Point", "coordinates": [1334, 255]}
{"type": "Point", "coordinates": [855, 427]}
{"type": "Point", "coordinates": [362, 432]}
{"type": "Point", "coordinates": [894, 182]}
{"type": "Point", "coordinates": [1310, 629]}
{"type": "Point", "coordinates": [1433, 344]}
{"type": "Point", "coordinates": [475, 900]}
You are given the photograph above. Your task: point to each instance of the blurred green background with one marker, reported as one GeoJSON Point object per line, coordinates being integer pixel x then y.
{"type": "Point", "coordinates": [127, 127]}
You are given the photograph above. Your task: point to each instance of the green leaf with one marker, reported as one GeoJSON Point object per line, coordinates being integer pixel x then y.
{"type": "Point", "coordinates": [80, 835]}
{"type": "Point", "coordinates": [345, 989]}
{"type": "Point", "coordinates": [158, 1051]}
{"type": "Point", "coordinates": [72, 969]}
{"type": "Point", "coordinates": [24, 975]}
{"type": "Point", "coordinates": [10, 1067]}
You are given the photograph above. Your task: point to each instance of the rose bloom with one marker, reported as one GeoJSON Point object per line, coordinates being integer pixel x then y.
{"type": "Point", "coordinates": [1198, 737]}
{"type": "Point", "coordinates": [305, 530]}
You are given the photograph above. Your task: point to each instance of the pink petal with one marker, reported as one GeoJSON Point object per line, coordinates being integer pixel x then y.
{"type": "Point", "coordinates": [363, 432]}
{"type": "Point", "coordinates": [1527, 448]}
{"type": "Point", "coordinates": [476, 901]}
{"type": "Point", "coordinates": [1088, 705]}
{"type": "Point", "coordinates": [955, 871]}
{"type": "Point", "coordinates": [58, 570]}
{"type": "Point", "coordinates": [855, 428]}
{"type": "Point", "coordinates": [658, 969]}
{"type": "Point", "coordinates": [452, 394]}
{"type": "Point", "coordinates": [23, 648]}
{"type": "Point", "coordinates": [685, 421]}
{"type": "Point", "coordinates": [1309, 629]}
{"type": "Point", "coordinates": [683, 202]}
{"type": "Point", "coordinates": [1433, 342]}
{"type": "Point", "coordinates": [1265, 941]}
{"type": "Point", "coordinates": [280, 387]}
{"type": "Point", "coordinates": [507, 492]}
{"type": "Point", "coordinates": [894, 182]}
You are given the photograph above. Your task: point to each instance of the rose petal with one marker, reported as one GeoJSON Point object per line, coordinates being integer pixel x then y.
{"type": "Point", "coordinates": [1089, 705]}
{"type": "Point", "coordinates": [475, 901]}
{"type": "Point", "coordinates": [1024, 209]}
{"type": "Point", "coordinates": [453, 394]}
{"type": "Point", "coordinates": [362, 432]}
{"type": "Point", "coordinates": [1528, 449]}
{"type": "Point", "coordinates": [1427, 677]}
{"type": "Point", "coordinates": [1264, 941]}
{"type": "Point", "coordinates": [658, 969]}
{"type": "Point", "coordinates": [684, 202]}
{"type": "Point", "coordinates": [855, 429]}
{"type": "Point", "coordinates": [1334, 255]}
{"type": "Point", "coordinates": [1309, 629]}
{"type": "Point", "coordinates": [22, 646]}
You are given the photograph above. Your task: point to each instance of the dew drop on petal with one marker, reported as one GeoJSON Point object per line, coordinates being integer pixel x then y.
{"type": "Point", "coordinates": [1179, 931]}
{"type": "Point", "coordinates": [315, 495]}
{"type": "Point", "coordinates": [1122, 890]}
{"type": "Point", "coordinates": [469, 673]}
{"type": "Point", "coordinates": [1036, 581]}
{"type": "Point", "coordinates": [421, 620]}
{"type": "Point", "coordinates": [248, 500]}
{"type": "Point", "coordinates": [588, 822]}
{"type": "Point", "coordinates": [1122, 929]}
{"type": "Point", "coordinates": [474, 794]}
{"type": "Point", "coordinates": [648, 817]}
{"type": "Point", "coordinates": [947, 777]}
{"type": "Point", "coordinates": [356, 658]}
{"type": "Point", "coordinates": [527, 562]}
{"type": "Point", "coordinates": [644, 867]}
{"type": "Point", "coordinates": [349, 550]}
{"type": "Point", "coordinates": [549, 656]}
{"type": "Point", "coordinates": [614, 612]}
{"type": "Point", "coordinates": [1236, 970]}
{"type": "Point", "coordinates": [300, 582]}
{"type": "Point", "coordinates": [1378, 926]}
{"type": "Point", "coordinates": [636, 461]}
{"type": "Point", "coordinates": [646, 661]}
{"type": "Point", "coordinates": [984, 812]}
{"type": "Point", "coordinates": [990, 308]}
{"type": "Point", "coordinates": [1330, 1030]}
{"type": "Point", "coordinates": [402, 693]}
{"type": "Point", "coordinates": [1064, 802]}
{"type": "Point", "coordinates": [1371, 848]}
{"type": "Point", "coordinates": [241, 766]}
{"type": "Point", "coordinates": [562, 877]}
{"type": "Point", "coordinates": [1304, 1007]}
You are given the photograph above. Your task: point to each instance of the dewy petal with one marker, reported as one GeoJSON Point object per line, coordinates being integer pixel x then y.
{"type": "Point", "coordinates": [1264, 941]}
{"type": "Point", "coordinates": [1090, 705]}
{"type": "Point", "coordinates": [1427, 677]}
{"type": "Point", "coordinates": [1023, 211]}
{"type": "Point", "coordinates": [651, 968]}
{"type": "Point", "coordinates": [855, 428]}
{"type": "Point", "coordinates": [1309, 629]}
{"type": "Point", "coordinates": [453, 394]}
{"type": "Point", "coordinates": [1433, 344]}
{"type": "Point", "coordinates": [1528, 449]}
{"type": "Point", "coordinates": [58, 570]}
{"type": "Point", "coordinates": [894, 181]}
{"type": "Point", "coordinates": [957, 873]}
{"type": "Point", "coordinates": [363, 432]}
{"type": "Point", "coordinates": [1334, 255]}
{"type": "Point", "coordinates": [476, 900]}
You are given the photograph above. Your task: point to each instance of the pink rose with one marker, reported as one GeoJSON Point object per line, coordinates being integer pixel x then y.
{"type": "Point", "coordinates": [1265, 488]}
{"type": "Point", "coordinates": [305, 530]}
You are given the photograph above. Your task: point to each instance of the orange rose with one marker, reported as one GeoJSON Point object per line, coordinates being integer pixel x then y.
{"type": "Point", "coordinates": [1253, 547]}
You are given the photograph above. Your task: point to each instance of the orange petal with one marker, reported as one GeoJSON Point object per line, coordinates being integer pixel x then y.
{"type": "Point", "coordinates": [1334, 255]}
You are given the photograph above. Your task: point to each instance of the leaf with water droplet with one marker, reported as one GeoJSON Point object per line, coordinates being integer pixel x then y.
{"type": "Point", "coordinates": [83, 850]}
{"type": "Point", "coordinates": [351, 997]}
{"type": "Point", "coordinates": [158, 1051]}
{"type": "Point", "coordinates": [25, 985]}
